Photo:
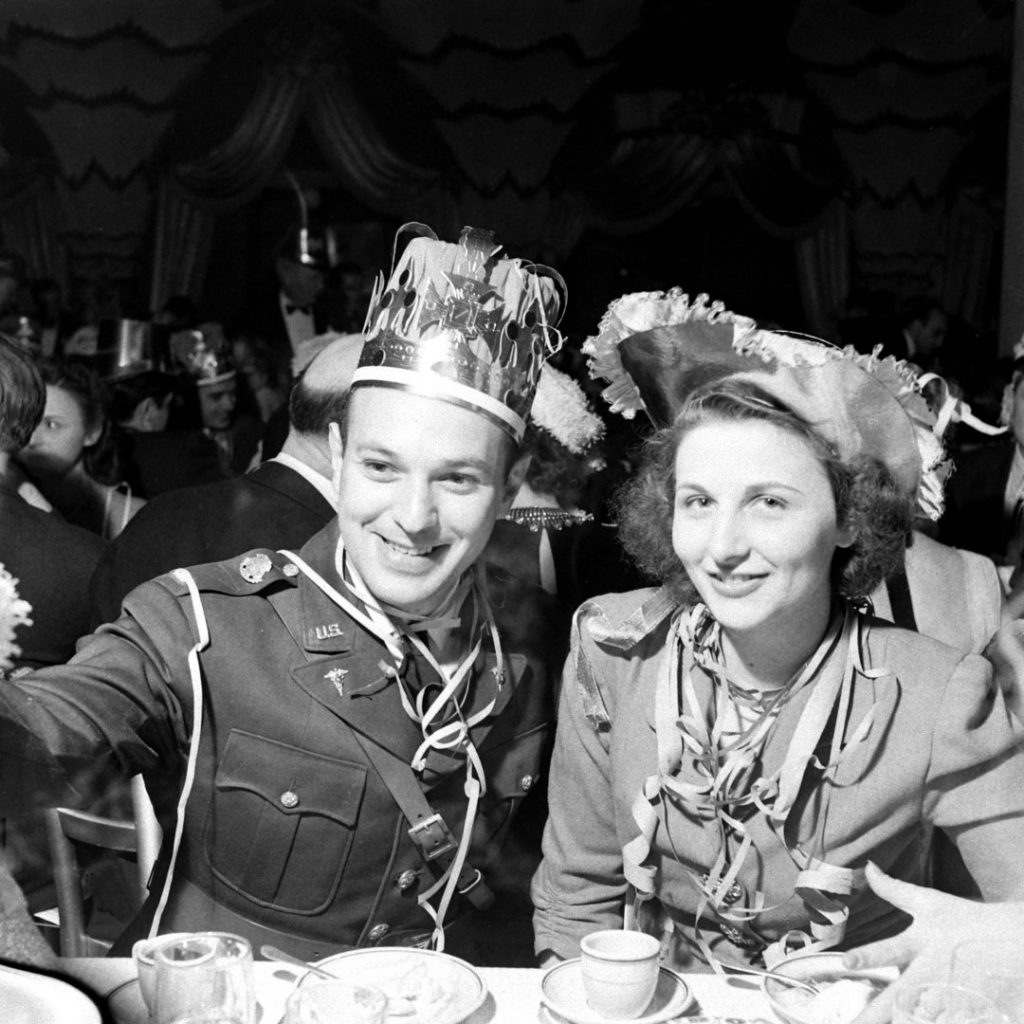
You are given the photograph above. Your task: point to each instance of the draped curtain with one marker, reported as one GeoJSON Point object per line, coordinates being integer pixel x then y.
{"type": "Point", "coordinates": [823, 260]}
{"type": "Point", "coordinates": [29, 226]}
{"type": "Point", "coordinates": [973, 233]}
{"type": "Point", "coordinates": [650, 178]}
{"type": "Point", "coordinates": [654, 169]}
{"type": "Point", "coordinates": [193, 193]}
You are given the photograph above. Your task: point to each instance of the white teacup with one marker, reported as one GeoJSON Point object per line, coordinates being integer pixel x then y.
{"type": "Point", "coordinates": [142, 953]}
{"type": "Point", "coordinates": [620, 971]}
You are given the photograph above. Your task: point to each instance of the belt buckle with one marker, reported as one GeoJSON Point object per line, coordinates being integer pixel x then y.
{"type": "Point", "coordinates": [433, 838]}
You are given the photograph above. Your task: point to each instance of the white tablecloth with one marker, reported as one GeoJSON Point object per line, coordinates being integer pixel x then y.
{"type": "Point", "coordinates": [514, 993]}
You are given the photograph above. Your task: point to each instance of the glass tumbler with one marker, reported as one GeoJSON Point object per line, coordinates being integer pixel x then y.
{"type": "Point", "coordinates": [936, 1003]}
{"type": "Point", "coordinates": [205, 978]}
{"type": "Point", "coordinates": [994, 968]}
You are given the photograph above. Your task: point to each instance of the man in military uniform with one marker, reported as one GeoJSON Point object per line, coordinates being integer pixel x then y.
{"type": "Point", "coordinates": [337, 739]}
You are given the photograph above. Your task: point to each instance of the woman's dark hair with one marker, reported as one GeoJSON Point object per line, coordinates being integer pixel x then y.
{"type": "Point", "coordinates": [867, 497]}
{"type": "Point", "coordinates": [22, 395]}
{"type": "Point", "coordinates": [83, 384]}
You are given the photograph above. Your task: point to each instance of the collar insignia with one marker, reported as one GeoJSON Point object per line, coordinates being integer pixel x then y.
{"type": "Point", "coordinates": [335, 676]}
{"type": "Point", "coordinates": [328, 631]}
{"type": "Point", "coordinates": [254, 567]}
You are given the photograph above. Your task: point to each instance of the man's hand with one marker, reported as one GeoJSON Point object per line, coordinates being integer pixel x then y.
{"type": "Point", "coordinates": [924, 951]}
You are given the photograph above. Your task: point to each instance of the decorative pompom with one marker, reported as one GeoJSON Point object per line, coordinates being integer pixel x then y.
{"type": "Point", "coordinates": [14, 612]}
{"type": "Point", "coordinates": [560, 407]}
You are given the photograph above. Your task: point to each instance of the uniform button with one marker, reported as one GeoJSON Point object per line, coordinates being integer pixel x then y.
{"type": "Point", "coordinates": [526, 783]}
{"type": "Point", "coordinates": [289, 799]}
{"type": "Point", "coordinates": [378, 931]}
{"type": "Point", "coordinates": [406, 880]}
{"type": "Point", "coordinates": [290, 569]}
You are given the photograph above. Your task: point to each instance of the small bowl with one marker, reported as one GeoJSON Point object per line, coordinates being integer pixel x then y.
{"type": "Point", "coordinates": [795, 1006]}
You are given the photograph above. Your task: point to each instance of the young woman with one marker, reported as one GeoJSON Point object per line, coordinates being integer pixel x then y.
{"type": "Point", "coordinates": [72, 457]}
{"type": "Point", "coordinates": [735, 746]}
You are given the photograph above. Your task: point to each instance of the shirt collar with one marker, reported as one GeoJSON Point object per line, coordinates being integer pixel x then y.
{"type": "Point", "coordinates": [310, 475]}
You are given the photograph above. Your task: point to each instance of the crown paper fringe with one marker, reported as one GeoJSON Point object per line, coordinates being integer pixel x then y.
{"type": "Point", "coordinates": [560, 407]}
{"type": "Point", "coordinates": [459, 325]}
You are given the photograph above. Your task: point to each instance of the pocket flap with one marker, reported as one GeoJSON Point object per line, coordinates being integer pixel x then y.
{"type": "Point", "coordinates": [295, 781]}
{"type": "Point", "coordinates": [514, 768]}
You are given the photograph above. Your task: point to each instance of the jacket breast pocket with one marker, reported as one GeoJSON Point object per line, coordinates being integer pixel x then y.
{"type": "Point", "coordinates": [280, 826]}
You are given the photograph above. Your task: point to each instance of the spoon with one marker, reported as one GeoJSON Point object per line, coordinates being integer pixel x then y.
{"type": "Point", "coordinates": [280, 956]}
{"type": "Point", "coordinates": [808, 986]}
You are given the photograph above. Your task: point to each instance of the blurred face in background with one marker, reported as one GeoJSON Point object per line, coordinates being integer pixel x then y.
{"type": "Point", "coordinates": [217, 404]}
{"type": "Point", "coordinates": [929, 334]}
{"type": "Point", "coordinates": [58, 442]}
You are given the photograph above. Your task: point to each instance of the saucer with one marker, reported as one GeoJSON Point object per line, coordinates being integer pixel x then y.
{"type": "Point", "coordinates": [126, 1005]}
{"type": "Point", "coordinates": [563, 994]}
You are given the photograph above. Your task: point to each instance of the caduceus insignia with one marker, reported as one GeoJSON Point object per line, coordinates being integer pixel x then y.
{"type": "Point", "coordinates": [335, 676]}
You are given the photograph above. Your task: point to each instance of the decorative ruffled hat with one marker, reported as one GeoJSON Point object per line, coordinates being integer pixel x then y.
{"type": "Point", "coordinates": [458, 323]}
{"type": "Point", "coordinates": [203, 355]}
{"type": "Point", "coordinates": [656, 348]}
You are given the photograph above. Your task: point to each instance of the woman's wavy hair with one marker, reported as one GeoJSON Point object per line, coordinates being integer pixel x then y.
{"type": "Point", "coordinates": [867, 497]}
{"type": "Point", "coordinates": [82, 383]}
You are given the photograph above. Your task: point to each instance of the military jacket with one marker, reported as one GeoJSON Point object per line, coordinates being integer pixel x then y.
{"type": "Point", "coordinates": [290, 834]}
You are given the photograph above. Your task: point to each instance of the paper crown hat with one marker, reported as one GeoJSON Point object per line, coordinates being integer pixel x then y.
{"type": "Point", "coordinates": [203, 355]}
{"type": "Point", "coordinates": [456, 322]}
{"type": "Point", "coordinates": [656, 348]}
{"type": "Point", "coordinates": [126, 348]}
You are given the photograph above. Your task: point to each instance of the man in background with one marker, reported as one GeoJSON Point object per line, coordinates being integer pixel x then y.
{"type": "Point", "coordinates": [280, 504]}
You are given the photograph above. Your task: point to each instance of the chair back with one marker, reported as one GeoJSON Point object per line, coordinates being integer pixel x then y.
{"type": "Point", "coordinates": [67, 830]}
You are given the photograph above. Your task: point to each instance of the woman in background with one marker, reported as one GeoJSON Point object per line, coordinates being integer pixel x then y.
{"type": "Point", "coordinates": [72, 457]}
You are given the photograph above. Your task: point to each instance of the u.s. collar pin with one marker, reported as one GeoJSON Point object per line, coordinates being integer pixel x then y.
{"type": "Point", "coordinates": [335, 676]}
{"type": "Point", "coordinates": [254, 567]}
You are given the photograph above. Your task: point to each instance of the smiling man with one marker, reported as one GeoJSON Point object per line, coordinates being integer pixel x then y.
{"type": "Point", "coordinates": [365, 715]}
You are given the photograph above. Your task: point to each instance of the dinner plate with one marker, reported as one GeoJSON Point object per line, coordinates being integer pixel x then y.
{"type": "Point", "coordinates": [127, 1006]}
{"type": "Point", "coordinates": [438, 988]}
{"type": "Point", "coordinates": [30, 998]}
{"type": "Point", "coordinates": [562, 991]}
